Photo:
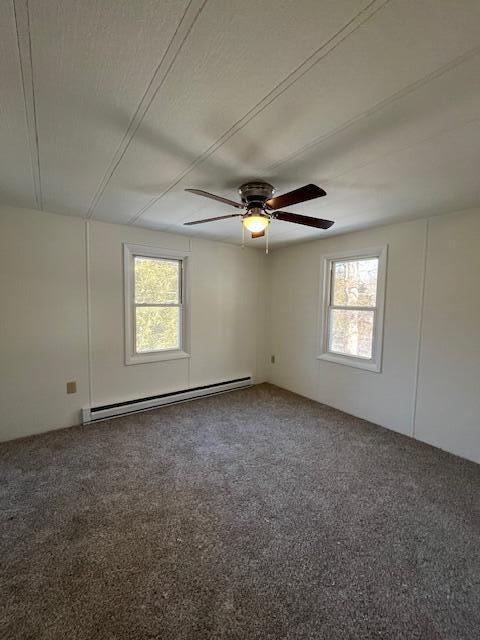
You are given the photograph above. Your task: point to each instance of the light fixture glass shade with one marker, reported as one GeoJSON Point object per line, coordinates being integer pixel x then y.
{"type": "Point", "coordinates": [256, 223]}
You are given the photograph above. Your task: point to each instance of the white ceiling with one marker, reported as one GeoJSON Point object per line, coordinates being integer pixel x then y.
{"type": "Point", "coordinates": [108, 109]}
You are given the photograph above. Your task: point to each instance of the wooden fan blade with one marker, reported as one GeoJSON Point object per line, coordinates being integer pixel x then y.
{"type": "Point", "coordinates": [233, 215]}
{"type": "Point", "coordinates": [212, 196]}
{"type": "Point", "coordinates": [306, 220]}
{"type": "Point", "coordinates": [258, 234]}
{"type": "Point", "coordinates": [308, 192]}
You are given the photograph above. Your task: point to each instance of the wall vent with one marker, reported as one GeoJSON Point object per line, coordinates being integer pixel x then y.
{"type": "Point", "coordinates": [102, 412]}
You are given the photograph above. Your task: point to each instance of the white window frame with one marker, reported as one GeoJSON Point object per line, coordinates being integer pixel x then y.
{"type": "Point", "coordinates": [130, 251]}
{"type": "Point", "coordinates": [375, 362]}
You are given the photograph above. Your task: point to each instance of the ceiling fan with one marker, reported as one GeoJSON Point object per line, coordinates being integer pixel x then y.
{"type": "Point", "coordinates": [261, 207]}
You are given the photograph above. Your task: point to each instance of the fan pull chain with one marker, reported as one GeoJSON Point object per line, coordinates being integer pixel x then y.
{"type": "Point", "coordinates": [243, 236]}
{"type": "Point", "coordinates": [266, 238]}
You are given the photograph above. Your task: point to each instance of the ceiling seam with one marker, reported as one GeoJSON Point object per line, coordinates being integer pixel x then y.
{"type": "Point", "coordinates": [182, 32]}
{"type": "Point", "coordinates": [317, 56]}
{"type": "Point", "coordinates": [407, 147]}
{"type": "Point", "coordinates": [24, 44]}
{"type": "Point", "coordinates": [414, 86]}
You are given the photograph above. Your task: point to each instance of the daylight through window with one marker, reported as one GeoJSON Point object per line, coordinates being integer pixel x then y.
{"type": "Point", "coordinates": [352, 315]}
{"type": "Point", "coordinates": [353, 306]}
{"type": "Point", "coordinates": [155, 304]}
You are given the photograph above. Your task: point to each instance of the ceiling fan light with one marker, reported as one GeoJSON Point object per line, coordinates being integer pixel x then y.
{"type": "Point", "coordinates": [256, 222]}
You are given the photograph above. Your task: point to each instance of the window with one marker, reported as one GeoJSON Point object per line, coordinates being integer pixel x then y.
{"type": "Point", "coordinates": [354, 290]}
{"type": "Point", "coordinates": [154, 304]}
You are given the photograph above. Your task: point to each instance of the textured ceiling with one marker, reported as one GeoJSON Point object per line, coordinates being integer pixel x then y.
{"type": "Point", "coordinates": [109, 110]}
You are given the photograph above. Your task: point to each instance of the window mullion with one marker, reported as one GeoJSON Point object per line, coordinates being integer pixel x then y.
{"type": "Point", "coordinates": [157, 304]}
{"type": "Point", "coordinates": [352, 308]}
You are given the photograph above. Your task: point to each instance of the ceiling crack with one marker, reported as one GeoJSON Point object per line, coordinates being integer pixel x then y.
{"type": "Point", "coordinates": [317, 56]}
{"type": "Point", "coordinates": [22, 25]}
{"type": "Point", "coordinates": [182, 32]}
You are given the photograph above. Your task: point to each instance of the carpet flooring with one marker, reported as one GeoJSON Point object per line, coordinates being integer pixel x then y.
{"type": "Point", "coordinates": [256, 514]}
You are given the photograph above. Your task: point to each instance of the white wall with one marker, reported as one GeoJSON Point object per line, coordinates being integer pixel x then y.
{"type": "Point", "coordinates": [432, 325]}
{"type": "Point", "coordinates": [448, 407]}
{"type": "Point", "coordinates": [244, 307]}
{"type": "Point", "coordinates": [223, 280]}
{"type": "Point", "coordinates": [385, 398]}
{"type": "Point", "coordinates": [44, 327]}
{"type": "Point", "coordinates": [43, 322]}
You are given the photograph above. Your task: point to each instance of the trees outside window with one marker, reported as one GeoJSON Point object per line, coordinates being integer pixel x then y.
{"type": "Point", "coordinates": [353, 309]}
{"type": "Point", "coordinates": [157, 285]}
{"type": "Point", "coordinates": [154, 304]}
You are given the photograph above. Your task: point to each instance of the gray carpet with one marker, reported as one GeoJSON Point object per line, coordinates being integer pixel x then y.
{"type": "Point", "coordinates": [255, 514]}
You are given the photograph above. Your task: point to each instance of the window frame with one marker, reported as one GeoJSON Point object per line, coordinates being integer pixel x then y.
{"type": "Point", "coordinates": [130, 252]}
{"type": "Point", "coordinates": [375, 362]}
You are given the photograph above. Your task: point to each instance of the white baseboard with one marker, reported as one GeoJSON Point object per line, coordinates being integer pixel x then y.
{"type": "Point", "coordinates": [102, 412]}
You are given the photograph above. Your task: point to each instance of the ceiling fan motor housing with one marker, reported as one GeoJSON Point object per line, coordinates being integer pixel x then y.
{"type": "Point", "coordinates": [254, 194]}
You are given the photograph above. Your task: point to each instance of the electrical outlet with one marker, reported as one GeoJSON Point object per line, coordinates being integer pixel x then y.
{"type": "Point", "coordinates": [72, 387]}
{"type": "Point", "coordinates": [272, 359]}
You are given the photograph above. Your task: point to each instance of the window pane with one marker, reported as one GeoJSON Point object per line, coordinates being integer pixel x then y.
{"type": "Point", "coordinates": [156, 281]}
{"type": "Point", "coordinates": [351, 332]}
{"type": "Point", "coordinates": [157, 328]}
{"type": "Point", "coordinates": [355, 282]}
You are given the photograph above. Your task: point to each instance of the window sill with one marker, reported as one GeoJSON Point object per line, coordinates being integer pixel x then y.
{"type": "Point", "coordinates": [357, 363]}
{"type": "Point", "coordinates": [157, 356]}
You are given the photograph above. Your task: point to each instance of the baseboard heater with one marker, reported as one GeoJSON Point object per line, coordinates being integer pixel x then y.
{"type": "Point", "coordinates": [92, 414]}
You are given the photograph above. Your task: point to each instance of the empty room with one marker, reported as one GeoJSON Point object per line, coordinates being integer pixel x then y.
{"type": "Point", "coordinates": [240, 319]}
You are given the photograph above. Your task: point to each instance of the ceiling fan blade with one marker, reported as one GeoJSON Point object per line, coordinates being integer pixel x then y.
{"type": "Point", "coordinates": [258, 234]}
{"type": "Point", "coordinates": [308, 192]}
{"type": "Point", "coordinates": [306, 220]}
{"type": "Point", "coordinates": [212, 196]}
{"type": "Point", "coordinates": [232, 215]}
